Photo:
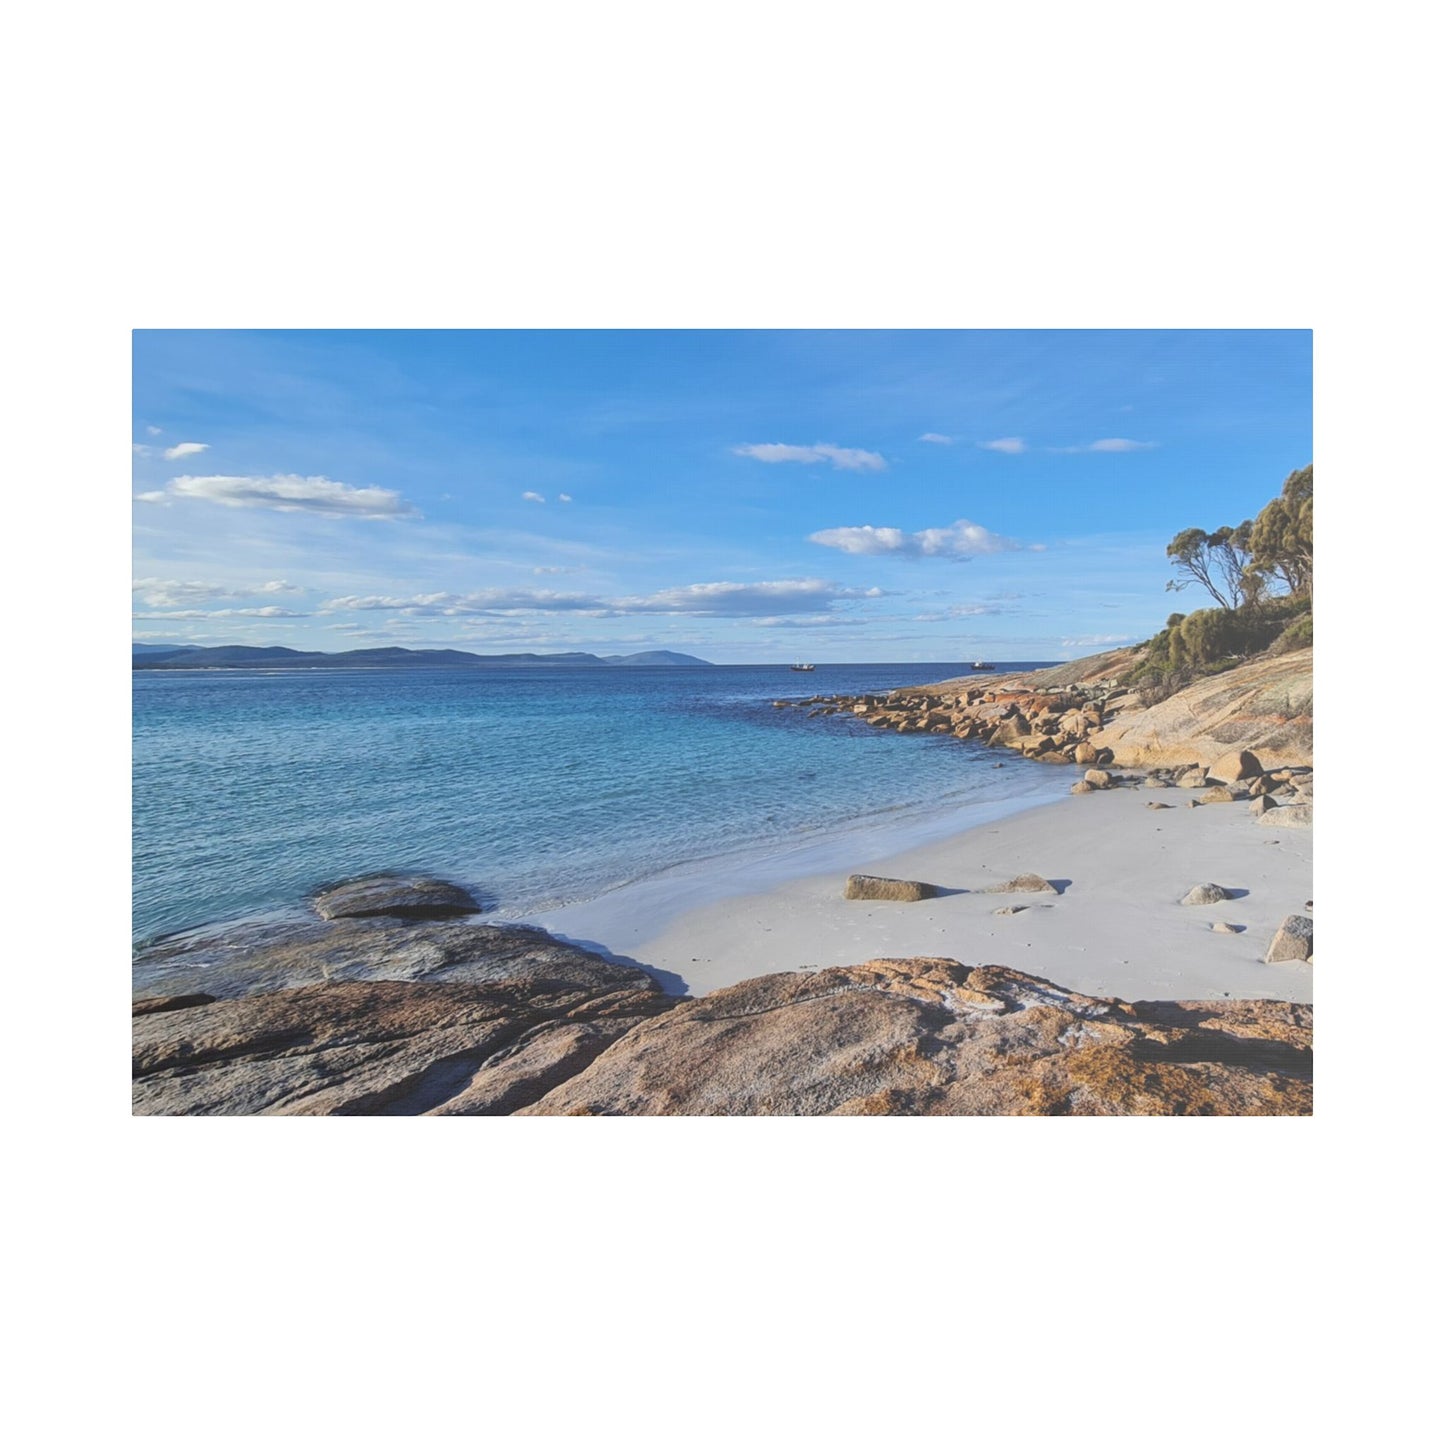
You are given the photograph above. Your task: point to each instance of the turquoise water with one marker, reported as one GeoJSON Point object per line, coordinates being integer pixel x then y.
{"type": "Point", "coordinates": [537, 787]}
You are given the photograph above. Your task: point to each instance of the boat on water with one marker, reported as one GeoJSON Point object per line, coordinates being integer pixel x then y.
{"type": "Point", "coordinates": [803, 666]}
{"type": "Point", "coordinates": [983, 667]}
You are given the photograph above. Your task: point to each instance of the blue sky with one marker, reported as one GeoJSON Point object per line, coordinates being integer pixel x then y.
{"type": "Point", "coordinates": [744, 496]}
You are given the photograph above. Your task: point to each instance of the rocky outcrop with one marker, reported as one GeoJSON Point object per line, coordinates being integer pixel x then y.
{"type": "Point", "coordinates": [394, 895]}
{"type": "Point", "coordinates": [1256, 716]}
{"type": "Point", "coordinates": [262, 957]}
{"type": "Point", "coordinates": [382, 1048]}
{"type": "Point", "coordinates": [375, 1017]}
{"type": "Point", "coordinates": [932, 1036]}
{"type": "Point", "coordinates": [1263, 707]}
{"type": "Point", "coordinates": [516, 1022]}
{"type": "Point", "coordinates": [887, 890]}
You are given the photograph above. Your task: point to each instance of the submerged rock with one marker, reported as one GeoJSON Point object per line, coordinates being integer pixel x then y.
{"type": "Point", "coordinates": [391, 895]}
{"type": "Point", "coordinates": [888, 890]}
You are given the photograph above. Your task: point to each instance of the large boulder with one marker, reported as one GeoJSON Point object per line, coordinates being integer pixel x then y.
{"type": "Point", "coordinates": [395, 895]}
{"type": "Point", "coordinates": [1234, 767]}
{"type": "Point", "coordinates": [886, 890]}
{"type": "Point", "coordinates": [1221, 794]}
{"type": "Point", "coordinates": [1294, 941]}
{"type": "Point", "coordinates": [932, 1036]}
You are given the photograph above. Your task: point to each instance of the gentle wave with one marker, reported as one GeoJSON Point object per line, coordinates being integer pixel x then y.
{"type": "Point", "coordinates": [537, 787]}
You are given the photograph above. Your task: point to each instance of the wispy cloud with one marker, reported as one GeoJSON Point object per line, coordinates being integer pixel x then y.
{"type": "Point", "coordinates": [848, 459]}
{"type": "Point", "coordinates": [164, 592]}
{"type": "Point", "coordinates": [289, 493]}
{"type": "Point", "coordinates": [185, 449]}
{"type": "Point", "coordinates": [1110, 444]}
{"type": "Point", "coordinates": [151, 497]}
{"type": "Point", "coordinates": [960, 541]}
{"type": "Point", "coordinates": [745, 599]}
{"type": "Point", "coordinates": [822, 620]}
{"type": "Point", "coordinates": [195, 615]}
{"type": "Point", "coordinates": [1097, 640]}
{"type": "Point", "coordinates": [563, 497]}
{"type": "Point", "coordinates": [962, 609]}
{"type": "Point", "coordinates": [700, 599]}
{"type": "Point", "coordinates": [1012, 446]}
{"type": "Point", "coordinates": [153, 431]}
{"type": "Point", "coordinates": [534, 497]}
{"type": "Point", "coordinates": [937, 438]}
{"type": "Point", "coordinates": [460, 604]}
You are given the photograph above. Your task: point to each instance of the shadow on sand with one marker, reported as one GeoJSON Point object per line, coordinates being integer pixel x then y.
{"type": "Point", "coordinates": [672, 984]}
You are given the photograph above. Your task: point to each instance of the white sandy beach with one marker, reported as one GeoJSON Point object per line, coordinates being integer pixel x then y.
{"type": "Point", "coordinates": [1117, 927]}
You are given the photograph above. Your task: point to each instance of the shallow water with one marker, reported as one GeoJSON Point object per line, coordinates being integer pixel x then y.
{"type": "Point", "coordinates": [536, 787]}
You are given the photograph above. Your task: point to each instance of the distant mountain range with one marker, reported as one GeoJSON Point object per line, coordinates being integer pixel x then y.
{"type": "Point", "coordinates": [150, 655]}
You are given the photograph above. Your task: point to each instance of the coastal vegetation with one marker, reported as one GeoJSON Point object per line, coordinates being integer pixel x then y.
{"type": "Point", "coordinates": [1260, 575]}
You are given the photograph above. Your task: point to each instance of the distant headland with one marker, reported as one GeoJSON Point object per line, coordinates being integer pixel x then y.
{"type": "Point", "coordinates": [151, 657]}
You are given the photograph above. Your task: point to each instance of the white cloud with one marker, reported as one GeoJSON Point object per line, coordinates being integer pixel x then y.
{"type": "Point", "coordinates": [163, 592]}
{"type": "Point", "coordinates": [460, 604]}
{"type": "Point", "coordinates": [194, 615]}
{"type": "Point", "coordinates": [1110, 444]}
{"type": "Point", "coordinates": [153, 431]}
{"type": "Point", "coordinates": [290, 493]}
{"type": "Point", "coordinates": [1010, 445]}
{"type": "Point", "coordinates": [936, 438]}
{"type": "Point", "coordinates": [962, 540]}
{"type": "Point", "coordinates": [700, 599]}
{"type": "Point", "coordinates": [533, 497]}
{"type": "Point", "coordinates": [140, 449]}
{"type": "Point", "coordinates": [962, 609]}
{"type": "Point", "coordinates": [1119, 444]}
{"type": "Point", "coordinates": [152, 497]}
{"type": "Point", "coordinates": [849, 459]}
{"type": "Point", "coordinates": [185, 449]}
{"type": "Point", "coordinates": [823, 620]}
{"type": "Point", "coordinates": [746, 599]}
{"type": "Point", "coordinates": [563, 497]}
{"type": "Point", "coordinates": [1097, 640]}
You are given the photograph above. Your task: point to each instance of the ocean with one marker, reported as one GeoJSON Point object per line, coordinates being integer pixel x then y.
{"type": "Point", "coordinates": [536, 787]}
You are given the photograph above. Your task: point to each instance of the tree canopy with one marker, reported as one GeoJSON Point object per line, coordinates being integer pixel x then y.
{"type": "Point", "coordinates": [1236, 565]}
{"type": "Point", "coordinates": [1283, 539]}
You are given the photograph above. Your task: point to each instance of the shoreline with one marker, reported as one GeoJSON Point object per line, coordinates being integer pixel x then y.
{"type": "Point", "coordinates": [1116, 929]}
